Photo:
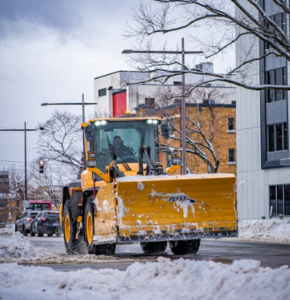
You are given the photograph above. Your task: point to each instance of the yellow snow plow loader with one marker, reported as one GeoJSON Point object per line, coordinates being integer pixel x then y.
{"type": "Point", "coordinates": [124, 195]}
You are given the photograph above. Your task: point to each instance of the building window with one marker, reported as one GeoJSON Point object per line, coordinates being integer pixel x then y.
{"type": "Point", "coordinates": [280, 200]}
{"type": "Point", "coordinates": [277, 137]}
{"type": "Point", "coordinates": [177, 82]}
{"type": "Point", "coordinates": [276, 77]}
{"type": "Point", "coordinates": [231, 124]}
{"type": "Point", "coordinates": [168, 160]}
{"type": "Point", "coordinates": [150, 102]}
{"type": "Point", "coordinates": [170, 123]}
{"type": "Point", "coordinates": [102, 92]}
{"type": "Point", "coordinates": [231, 155]}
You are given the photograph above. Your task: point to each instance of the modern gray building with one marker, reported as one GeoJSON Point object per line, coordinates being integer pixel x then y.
{"type": "Point", "coordinates": [263, 159]}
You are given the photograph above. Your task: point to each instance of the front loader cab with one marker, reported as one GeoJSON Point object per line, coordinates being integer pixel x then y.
{"type": "Point", "coordinates": [125, 145]}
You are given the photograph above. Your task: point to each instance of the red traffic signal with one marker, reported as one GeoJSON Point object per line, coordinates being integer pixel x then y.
{"type": "Point", "coordinates": [41, 166]}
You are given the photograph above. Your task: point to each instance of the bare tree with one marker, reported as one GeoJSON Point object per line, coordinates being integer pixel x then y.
{"type": "Point", "coordinates": [16, 183]}
{"type": "Point", "coordinates": [48, 185]}
{"type": "Point", "coordinates": [226, 22]}
{"type": "Point", "coordinates": [61, 141]}
{"type": "Point", "coordinates": [204, 121]}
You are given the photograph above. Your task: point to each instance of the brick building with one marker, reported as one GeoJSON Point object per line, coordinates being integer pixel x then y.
{"type": "Point", "coordinates": [217, 131]}
{"type": "Point", "coordinates": [4, 191]}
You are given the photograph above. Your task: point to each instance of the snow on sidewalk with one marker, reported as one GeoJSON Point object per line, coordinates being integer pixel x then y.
{"type": "Point", "coordinates": [274, 230]}
{"type": "Point", "coordinates": [8, 229]}
{"type": "Point", "coordinates": [165, 279]}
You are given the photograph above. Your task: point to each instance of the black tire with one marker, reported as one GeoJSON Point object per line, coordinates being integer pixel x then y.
{"type": "Point", "coordinates": [39, 233]}
{"type": "Point", "coordinates": [184, 247]}
{"type": "Point", "coordinates": [24, 232]}
{"type": "Point", "coordinates": [88, 227]}
{"type": "Point", "coordinates": [50, 234]}
{"type": "Point", "coordinates": [32, 233]}
{"type": "Point", "coordinates": [73, 246]}
{"type": "Point", "coordinates": [16, 228]}
{"type": "Point", "coordinates": [153, 247]}
{"type": "Point", "coordinates": [106, 249]}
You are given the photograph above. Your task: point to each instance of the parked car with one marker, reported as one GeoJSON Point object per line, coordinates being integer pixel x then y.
{"type": "Point", "coordinates": [24, 223]}
{"type": "Point", "coordinates": [46, 222]}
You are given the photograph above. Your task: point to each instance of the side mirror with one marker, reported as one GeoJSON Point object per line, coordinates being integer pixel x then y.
{"type": "Point", "coordinates": [165, 131]}
{"type": "Point", "coordinates": [89, 132]}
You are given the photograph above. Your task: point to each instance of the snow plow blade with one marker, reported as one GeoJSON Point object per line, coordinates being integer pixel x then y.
{"type": "Point", "coordinates": [180, 207]}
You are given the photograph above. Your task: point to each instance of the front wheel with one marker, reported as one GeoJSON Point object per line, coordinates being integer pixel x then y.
{"type": "Point", "coordinates": [72, 245]}
{"type": "Point", "coordinates": [24, 232]}
{"type": "Point", "coordinates": [184, 247]}
{"type": "Point", "coordinates": [39, 232]}
{"type": "Point", "coordinates": [153, 247]}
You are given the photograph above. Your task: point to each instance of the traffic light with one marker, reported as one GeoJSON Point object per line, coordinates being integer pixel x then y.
{"type": "Point", "coordinates": [41, 166]}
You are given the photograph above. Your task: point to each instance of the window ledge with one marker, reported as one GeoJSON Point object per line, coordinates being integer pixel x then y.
{"type": "Point", "coordinates": [231, 131]}
{"type": "Point", "coordinates": [232, 163]}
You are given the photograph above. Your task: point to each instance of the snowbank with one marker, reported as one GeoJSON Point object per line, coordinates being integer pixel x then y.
{"type": "Point", "coordinates": [17, 248]}
{"type": "Point", "coordinates": [273, 230]}
{"type": "Point", "coordinates": [165, 279]}
{"type": "Point", "coordinates": [8, 229]}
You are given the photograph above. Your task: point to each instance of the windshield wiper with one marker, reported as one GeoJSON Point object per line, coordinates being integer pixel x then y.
{"type": "Point", "coordinates": [114, 152]}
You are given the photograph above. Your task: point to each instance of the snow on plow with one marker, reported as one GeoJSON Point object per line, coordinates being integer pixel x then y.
{"type": "Point", "coordinates": [180, 207]}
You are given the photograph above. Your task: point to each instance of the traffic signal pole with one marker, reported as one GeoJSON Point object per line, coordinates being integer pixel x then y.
{"type": "Point", "coordinates": [25, 154]}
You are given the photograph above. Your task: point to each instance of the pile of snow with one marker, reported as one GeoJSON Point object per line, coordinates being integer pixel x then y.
{"type": "Point", "coordinates": [19, 248]}
{"type": "Point", "coordinates": [165, 279]}
{"type": "Point", "coordinates": [274, 230]}
{"type": "Point", "coordinates": [8, 229]}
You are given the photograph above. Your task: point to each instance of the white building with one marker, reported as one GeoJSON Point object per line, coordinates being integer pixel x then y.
{"type": "Point", "coordinates": [123, 91]}
{"type": "Point", "coordinates": [263, 158]}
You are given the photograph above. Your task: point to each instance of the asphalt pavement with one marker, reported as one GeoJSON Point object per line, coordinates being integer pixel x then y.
{"type": "Point", "coordinates": [218, 250]}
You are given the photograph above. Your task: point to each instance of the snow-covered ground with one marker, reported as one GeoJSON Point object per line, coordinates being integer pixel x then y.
{"type": "Point", "coordinates": [8, 229]}
{"type": "Point", "coordinates": [165, 279]}
{"type": "Point", "coordinates": [18, 248]}
{"type": "Point", "coordinates": [274, 230]}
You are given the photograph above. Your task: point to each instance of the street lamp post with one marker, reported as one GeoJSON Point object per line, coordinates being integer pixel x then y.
{"type": "Point", "coordinates": [25, 153]}
{"type": "Point", "coordinates": [83, 103]}
{"type": "Point", "coordinates": [183, 107]}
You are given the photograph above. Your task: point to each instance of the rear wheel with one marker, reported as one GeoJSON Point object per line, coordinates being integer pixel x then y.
{"type": "Point", "coordinates": [184, 247]}
{"type": "Point", "coordinates": [72, 245]}
{"type": "Point", "coordinates": [24, 232]}
{"type": "Point", "coordinates": [39, 232]}
{"type": "Point", "coordinates": [153, 247]}
{"type": "Point", "coordinates": [58, 233]}
{"type": "Point", "coordinates": [106, 249]}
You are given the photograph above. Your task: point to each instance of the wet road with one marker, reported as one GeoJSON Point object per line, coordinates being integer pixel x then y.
{"type": "Point", "coordinates": [221, 250]}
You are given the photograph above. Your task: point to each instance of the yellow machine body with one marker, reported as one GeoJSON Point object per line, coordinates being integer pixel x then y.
{"type": "Point", "coordinates": [139, 208]}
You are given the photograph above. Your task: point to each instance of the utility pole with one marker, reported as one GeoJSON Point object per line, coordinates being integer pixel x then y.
{"type": "Point", "coordinates": [183, 106]}
{"type": "Point", "coordinates": [25, 153]}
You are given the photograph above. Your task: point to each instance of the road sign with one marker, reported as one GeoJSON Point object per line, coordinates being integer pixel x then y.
{"type": "Point", "coordinates": [25, 203]}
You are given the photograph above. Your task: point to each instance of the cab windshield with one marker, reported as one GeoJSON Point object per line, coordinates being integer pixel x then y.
{"type": "Point", "coordinates": [122, 140]}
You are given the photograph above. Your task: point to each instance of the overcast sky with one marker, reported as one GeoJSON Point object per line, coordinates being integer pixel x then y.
{"type": "Point", "coordinates": [51, 51]}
